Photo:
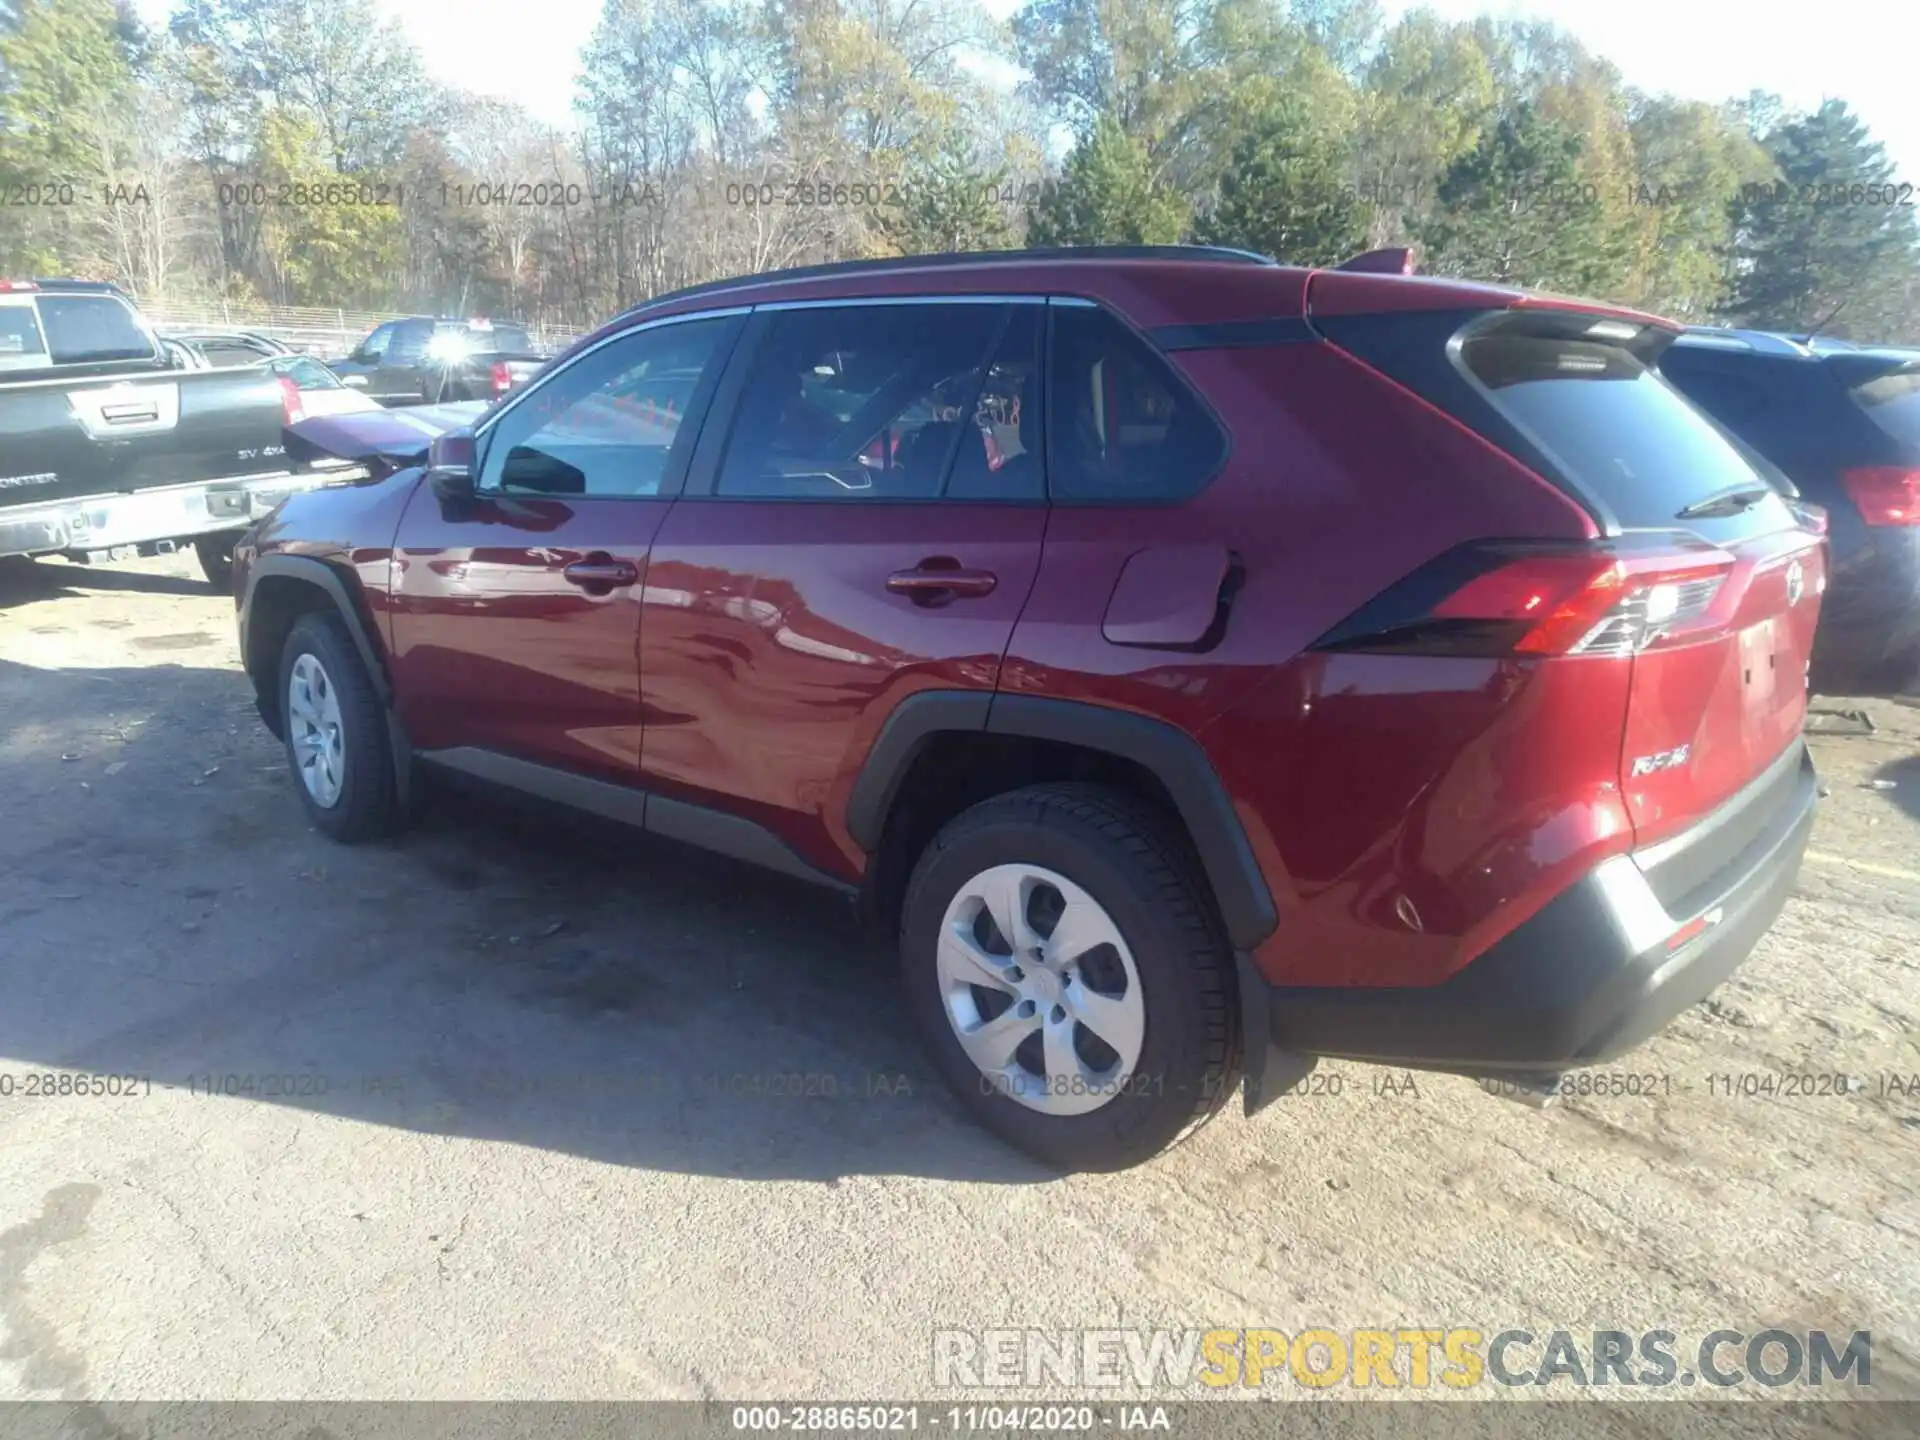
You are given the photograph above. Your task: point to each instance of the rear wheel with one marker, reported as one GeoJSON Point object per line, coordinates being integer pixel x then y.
{"type": "Point", "coordinates": [1069, 977]}
{"type": "Point", "coordinates": [336, 733]}
{"type": "Point", "coordinates": [216, 560]}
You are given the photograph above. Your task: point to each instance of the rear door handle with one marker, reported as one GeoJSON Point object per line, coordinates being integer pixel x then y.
{"type": "Point", "coordinates": [932, 583]}
{"type": "Point", "coordinates": [591, 573]}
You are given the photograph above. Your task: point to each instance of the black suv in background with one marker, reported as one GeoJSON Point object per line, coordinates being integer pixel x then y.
{"type": "Point", "coordinates": [1844, 426]}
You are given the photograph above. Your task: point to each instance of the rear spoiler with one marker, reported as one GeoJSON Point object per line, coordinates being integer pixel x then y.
{"type": "Point", "coordinates": [385, 441]}
{"type": "Point", "coordinates": [1393, 260]}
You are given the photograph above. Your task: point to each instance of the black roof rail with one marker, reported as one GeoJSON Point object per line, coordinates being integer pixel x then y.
{"type": "Point", "coordinates": [960, 258]}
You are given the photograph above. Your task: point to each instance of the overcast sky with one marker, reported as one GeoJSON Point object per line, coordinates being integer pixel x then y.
{"type": "Point", "coordinates": [1867, 52]}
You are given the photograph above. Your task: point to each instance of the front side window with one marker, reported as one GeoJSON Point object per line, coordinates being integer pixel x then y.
{"type": "Point", "coordinates": [375, 345]}
{"type": "Point", "coordinates": [1125, 428]}
{"type": "Point", "coordinates": [613, 422]}
{"type": "Point", "coordinates": [860, 402]}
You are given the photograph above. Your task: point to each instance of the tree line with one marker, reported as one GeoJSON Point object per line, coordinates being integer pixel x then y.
{"type": "Point", "coordinates": [297, 152]}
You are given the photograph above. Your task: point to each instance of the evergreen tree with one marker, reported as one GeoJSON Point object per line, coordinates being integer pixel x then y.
{"type": "Point", "coordinates": [1282, 193]}
{"type": "Point", "coordinates": [1823, 240]}
{"type": "Point", "coordinates": [951, 202]}
{"type": "Point", "coordinates": [1515, 210]}
{"type": "Point", "coordinates": [1108, 195]}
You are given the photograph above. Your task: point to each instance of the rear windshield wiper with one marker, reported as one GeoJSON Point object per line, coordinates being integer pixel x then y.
{"type": "Point", "coordinates": [1730, 501]}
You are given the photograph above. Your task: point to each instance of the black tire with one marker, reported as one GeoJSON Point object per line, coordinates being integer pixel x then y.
{"type": "Point", "coordinates": [1122, 852]}
{"type": "Point", "coordinates": [216, 560]}
{"type": "Point", "coordinates": [368, 805]}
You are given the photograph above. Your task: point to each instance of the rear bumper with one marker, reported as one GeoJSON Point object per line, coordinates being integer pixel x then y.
{"type": "Point", "coordinates": [175, 512]}
{"type": "Point", "coordinates": [1592, 975]}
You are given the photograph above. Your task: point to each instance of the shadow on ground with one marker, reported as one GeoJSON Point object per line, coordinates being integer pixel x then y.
{"type": "Point", "coordinates": [23, 581]}
{"type": "Point", "coordinates": [495, 974]}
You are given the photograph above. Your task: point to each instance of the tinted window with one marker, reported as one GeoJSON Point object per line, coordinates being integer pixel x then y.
{"type": "Point", "coordinates": [82, 328]}
{"type": "Point", "coordinates": [506, 337]}
{"type": "Point", "coordinates": [999, 453]}
{"type": "Point", "coordinates": [859, 401]}
{"type": "Point", "coordinates": [375, 345]}
{"type": "Point", "coordinates": [20, 344]}
{"type": "Point", "coordinates": [1893, 401]}
{"type": "Point", "coordinates": [1125, 428]}
{"type": "Point", "coordinates": [612, 423]}
{"type": "Point", "coordinates": [409, 341]}
{"type": "Point", "coordinates": [1606, 419]}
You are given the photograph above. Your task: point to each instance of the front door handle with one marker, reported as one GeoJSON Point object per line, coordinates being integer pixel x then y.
{"type": "Point", "coordinates": [601, 573]}
{"type": "Point", "coordinates": [934, 582]}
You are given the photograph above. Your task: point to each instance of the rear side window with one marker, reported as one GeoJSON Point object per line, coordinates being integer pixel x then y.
{"type": "Point", "coordinates": [83, 329]}
{"type": "Point", "coordinates": [1893, 403]}
{"type": "Point", "coordinates": [20, 345]}
{"type": "Point", "coordinates": [1125, 429]}
{"type": "Point", "coordinates": [1585, 400]}
{"type": "Point", "coordinates": [860, 402]}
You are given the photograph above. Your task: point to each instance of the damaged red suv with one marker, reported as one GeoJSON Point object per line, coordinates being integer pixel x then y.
{"type": "Point", "coordinates": [1204, 665]}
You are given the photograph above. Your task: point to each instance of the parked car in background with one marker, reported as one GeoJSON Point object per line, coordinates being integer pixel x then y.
{"type": "Point", "coordinates": [112, 436]}
{"type": "Point", "coordinates": [1844, 426]}
{"type": "Point", "coordinates": [425, 361]}
{"type": "Point", "coordinates": [226, 349]}
{"type": "Point", "coordinates": [1202, 665]}
{"type": "Point", "coordinates": [322, 391]}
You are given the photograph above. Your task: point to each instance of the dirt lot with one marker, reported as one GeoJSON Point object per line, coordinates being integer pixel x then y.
{"type": "Point", "coordinates": [530, 1149]}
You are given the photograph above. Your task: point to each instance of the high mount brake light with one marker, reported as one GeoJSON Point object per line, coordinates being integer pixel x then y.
{"type": "Point", "coordinates": [1489, 600]}
{"type": "Point", "coordinates": [1885, 495]}
{"type": "Point", "coordinates": [11, 287]}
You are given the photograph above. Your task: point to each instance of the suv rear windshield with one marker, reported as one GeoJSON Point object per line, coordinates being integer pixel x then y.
{"type": "Point", "coordinates": [1894, 403]}
{"type": "Point", "coordinates": [1607, 420]}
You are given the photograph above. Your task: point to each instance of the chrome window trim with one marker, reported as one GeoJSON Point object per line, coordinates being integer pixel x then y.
{"type": "Point", "coordinates": [844, 301]}
{"type": "Point", "coordinates": [482, 430]}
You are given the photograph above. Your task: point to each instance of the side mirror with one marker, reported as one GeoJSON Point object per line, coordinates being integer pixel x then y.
{"type": "Point", "coordinates": [450, 465]}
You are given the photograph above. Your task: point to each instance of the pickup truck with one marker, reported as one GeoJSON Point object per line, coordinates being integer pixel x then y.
{"type": "Point", "coordinates": [107, 440]}
{"type": "Point", "coordinates": [421, 360]}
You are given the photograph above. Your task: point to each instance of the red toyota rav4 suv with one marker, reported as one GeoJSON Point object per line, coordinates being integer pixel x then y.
{"type": "Point", "coordinates": [1205, 665]}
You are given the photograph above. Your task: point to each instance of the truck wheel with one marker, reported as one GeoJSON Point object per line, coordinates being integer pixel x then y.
{"type": "Point", "coordinates": [1070, 977]}
{"type": "Point", "coordinates": [216, 560]}
{"type": "Point", "coordinates": [336, 733]}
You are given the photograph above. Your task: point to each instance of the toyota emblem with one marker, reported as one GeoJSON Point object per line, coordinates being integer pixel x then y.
{"type": "Point", "coordinates": [1796, 583]}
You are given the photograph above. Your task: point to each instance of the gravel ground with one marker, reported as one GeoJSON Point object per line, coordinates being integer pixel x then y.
{"type": "Point", "coordinates": [525, 1145]}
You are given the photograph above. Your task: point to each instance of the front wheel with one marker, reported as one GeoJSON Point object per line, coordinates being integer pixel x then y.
{"type": "Point", "coordinates": [336, 733]}
{"type": "Point", "coordinates": [1069, 977]}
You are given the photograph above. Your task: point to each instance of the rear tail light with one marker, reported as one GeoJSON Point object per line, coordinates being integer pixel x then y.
{"type": "Point", "coordinates": [293, 405]}
{"type": "Point", "coordinates": [502, 378]}
{"type": "Point", "coordinates": [1885, 494]}
{"type": "Point", "coordinates": [1495, 600]}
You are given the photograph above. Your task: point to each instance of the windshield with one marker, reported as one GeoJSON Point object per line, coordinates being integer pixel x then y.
{"type": "Point", "coordinates": [1893, 401]}
{"type": "Point", "coordinates": [85, 329]}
